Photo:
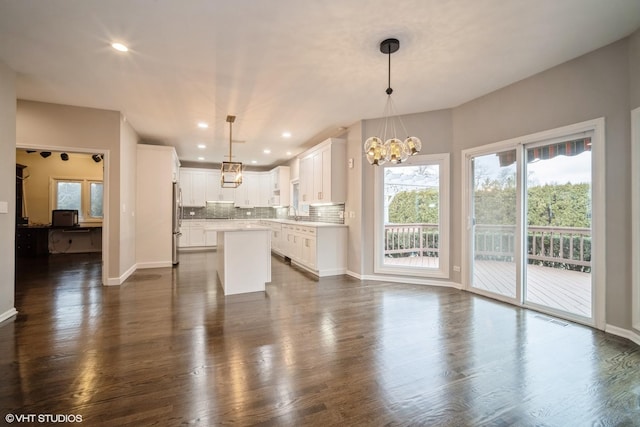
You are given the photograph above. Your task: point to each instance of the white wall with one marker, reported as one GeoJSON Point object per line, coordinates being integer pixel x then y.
{"type": "Point", "coordinates": [155, 168]}
{"type": "Point", "coordinates": [353, 206]}
{"type": "Point", "coordinates": [7, 190]}
{"type": "Point", "coordinates": [128, 176]}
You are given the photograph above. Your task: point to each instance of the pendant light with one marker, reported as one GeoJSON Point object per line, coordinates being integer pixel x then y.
{"type": "Point", "coordinates": [381, 150]}
{"type": "Point", "coordinates": [231, 172]}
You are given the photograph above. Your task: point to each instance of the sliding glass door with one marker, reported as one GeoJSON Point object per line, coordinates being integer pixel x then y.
{"type": "Point", "coordinates": [558, 226]}
{"type": "Point", "coordinates": [534, 213]}
{"type": "Point", "coordinates": [493, 221]}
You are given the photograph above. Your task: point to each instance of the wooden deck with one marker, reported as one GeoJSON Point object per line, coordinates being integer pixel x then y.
{"type": "Point", "coordinates": [564, 290]}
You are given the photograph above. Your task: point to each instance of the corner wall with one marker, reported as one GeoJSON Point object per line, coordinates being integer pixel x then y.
{"type": "Point", "coordinates": [7, 190]}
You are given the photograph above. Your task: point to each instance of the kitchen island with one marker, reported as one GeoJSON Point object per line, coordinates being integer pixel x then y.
{"type": "Point", "coordinates": [244, 257]}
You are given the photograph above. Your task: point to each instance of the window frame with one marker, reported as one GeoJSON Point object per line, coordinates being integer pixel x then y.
{"type": "Point", "coordinates": [442, 160]}
{"type": "Point", "coordinates": [85, 197]}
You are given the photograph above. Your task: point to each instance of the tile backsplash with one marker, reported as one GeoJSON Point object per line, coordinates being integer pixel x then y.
{"type": "Point", "coordinates": [216, 210]}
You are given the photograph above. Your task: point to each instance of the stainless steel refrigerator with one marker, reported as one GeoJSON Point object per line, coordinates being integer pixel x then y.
{"type": "Point", "coordinates": [176, 221]}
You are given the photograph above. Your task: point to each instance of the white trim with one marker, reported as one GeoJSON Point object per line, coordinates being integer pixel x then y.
{"type": "Point", "coordinates": [404, 279]}
{"type": "Point", "coordinates": [154, 264]}
{"type": "Point", "coordinates": [598, 271]}
{"type": "Point", "coordinates": [320, 273]}
{"type": "Point", "coordinates": [635, 217]}
{"type": "Point", "coordinates": [624, 333]}
{"type": "Point", "coordinates": [8, 314]}
{"type": "Point", "coordinates": [115, 281]}
{"type": "Point", "coordinates": [444, 182]}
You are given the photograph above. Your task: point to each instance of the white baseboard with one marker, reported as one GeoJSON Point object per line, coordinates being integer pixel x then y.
{"type": "Point", "coordinates": [8, 314]}
{"type": "Point", "coordinates": [155, 264]}
{"type": "Point", "coordinates": [116, 281]}
{"type": "Point", "coordinates": [624, 333]}
{"type": "Point", "coordinates": [405, 279]}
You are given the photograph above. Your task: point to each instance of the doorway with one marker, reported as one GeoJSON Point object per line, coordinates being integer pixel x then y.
{"type": "Point", "coordinates": [75, 179]}
{"type": "Point", "coordinates": [534, 213]}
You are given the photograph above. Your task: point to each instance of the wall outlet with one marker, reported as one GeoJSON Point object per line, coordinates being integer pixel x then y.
{"type": "Point", "coordinates": [248, 213]}
{"type": "Point", "coordinates": [456, 268]}
{"type": "Point", "coordinates": [192, 213]}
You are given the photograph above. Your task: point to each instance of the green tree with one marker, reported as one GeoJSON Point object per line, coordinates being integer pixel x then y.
{"type": "Point", "coordinates": [418, 206]}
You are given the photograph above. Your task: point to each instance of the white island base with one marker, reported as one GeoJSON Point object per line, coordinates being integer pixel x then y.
{"type": "Point", "coordinates": [244, 258]}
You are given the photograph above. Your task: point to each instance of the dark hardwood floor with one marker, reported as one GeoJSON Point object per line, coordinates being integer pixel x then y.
{"type": "Point", "coordinates": [168, 348]}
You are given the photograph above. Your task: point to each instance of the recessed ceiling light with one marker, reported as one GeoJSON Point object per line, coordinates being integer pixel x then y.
{"type": "Point", "coordinates": [200, 158]}
{"type": "Point", "coordinates": [288, 153]}
{"type": "Point", "coordinates": [203, 125]}
{"type": "Point", "coordinates": [266, 151]}
{"type": "Point", "coordinates": [120, 47]}
{"type": "Point", "coordinates": [254, 161]}
{"type": "Point", "coordinates": [286, 134]}
{"type": "Point", "coordinates": [202, 146]}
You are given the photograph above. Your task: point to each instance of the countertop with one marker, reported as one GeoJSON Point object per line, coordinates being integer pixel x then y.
{"type": "Point", "coordinates": [222, 226]}
{"type": "Point", "coordinates": [274, 220]}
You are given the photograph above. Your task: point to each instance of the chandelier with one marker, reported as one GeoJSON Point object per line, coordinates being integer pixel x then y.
{"type": "Point", "coordinates": [231, 172]}
{"type": "Point", "coordinates": [381, 150]}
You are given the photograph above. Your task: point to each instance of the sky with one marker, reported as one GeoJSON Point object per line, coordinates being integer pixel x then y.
{"type": "Point", "coordinates": [558, 170]}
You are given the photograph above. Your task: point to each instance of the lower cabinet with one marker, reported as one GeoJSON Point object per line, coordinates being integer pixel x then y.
{"type": "Point", "coordinates": [196, 235]}
{"type": "Point", "coordinates": [320, 250]}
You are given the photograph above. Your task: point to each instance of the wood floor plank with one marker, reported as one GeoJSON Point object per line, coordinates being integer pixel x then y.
{"type": "Point", "coordinates": [168, 348]}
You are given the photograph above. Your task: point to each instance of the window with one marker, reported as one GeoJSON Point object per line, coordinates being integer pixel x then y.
{"type": "Point", "coordinates": [82, 194]}
{"type": "Point", "coordinates": [412, 214]}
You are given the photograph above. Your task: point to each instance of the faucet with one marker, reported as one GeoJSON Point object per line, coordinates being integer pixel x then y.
{"type": "Point", "coordinates": [295, 213]}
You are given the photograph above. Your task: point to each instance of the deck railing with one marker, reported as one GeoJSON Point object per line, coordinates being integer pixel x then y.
{"type": "Point", "coordinates": [411, 240]}
{"type": "Point", "coordinates": [561, 247]}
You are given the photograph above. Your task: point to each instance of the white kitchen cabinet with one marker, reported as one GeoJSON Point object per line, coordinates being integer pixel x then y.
{"type": "Point", "coordinates": [323, 173]}
{"type": "Point", "coordinates": [264, 189]}
{"type": "Point", "coordinates": [196, 233]}
{"type": "Point", "coordinates": [210, 237]}
{"type": "Point", "coordinates": [192, 183]}
{"type": "Point", "coordinates": [214, 192]}
{"type": "Point", "coordinates": [247, 195]}
{"type": "Point", "coordinates": [321, 249]}
{"type": "Point", "coordinates": [183, 239]}
{"type": "Point", "coordinates": [212, 186]}
{"type": "Point", "coordinates": [277, 239]}
{"type": "Point", "coordinates": [279, 190]}
{"type": "Point", "coordinates": [308, 244]}
{"type": "Point", "coordinates": [306, 180]}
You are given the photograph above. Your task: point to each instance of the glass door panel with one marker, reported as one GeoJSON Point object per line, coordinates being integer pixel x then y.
{"type": "Point", "coordinates": [558, 226]}
{"type": "Point", "coordinates": [494, 213]}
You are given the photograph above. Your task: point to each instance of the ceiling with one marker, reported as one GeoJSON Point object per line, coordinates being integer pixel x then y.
{"type": "Point", "coordinates": [307, 67]}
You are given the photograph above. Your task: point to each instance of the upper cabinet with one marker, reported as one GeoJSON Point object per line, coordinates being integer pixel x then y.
{"type": "Point", "coordinates": [248, 193]}
{"type": "Point", "coordinates": [192, 183]}
{"type": "Point", "coordinates": [278, 191]}
{"type": "Point", "coordinates": [323, 173]}
{"type": "Point", "coordinates": [200, 186]}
